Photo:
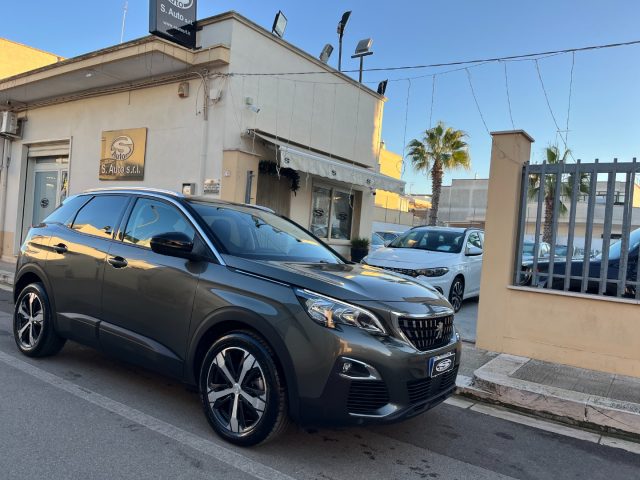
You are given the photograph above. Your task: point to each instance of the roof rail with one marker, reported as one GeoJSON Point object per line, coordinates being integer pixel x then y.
{"type": "Point", "coordinates": [135, 189]}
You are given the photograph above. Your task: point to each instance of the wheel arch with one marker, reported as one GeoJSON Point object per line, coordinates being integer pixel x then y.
{"type": "Point", "coordinates": [230, 319]}
{"type": "Point", "coordinates": [29, 274]}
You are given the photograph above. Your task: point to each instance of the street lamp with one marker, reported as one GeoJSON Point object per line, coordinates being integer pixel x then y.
{"type": "Point", "coordinates": [279, 24]}
{"type": "Point", "coordinates": [326, 53]}
{"type": "Point", "coordinates": [341, 25]}
{"type": "Point", "coordinates": [362, 50]}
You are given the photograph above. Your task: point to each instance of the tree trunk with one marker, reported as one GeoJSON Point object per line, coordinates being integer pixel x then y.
{"type": "Point", "coordinates": [436, 185]}
{"type": "Point", "coordinates": [547, 232]}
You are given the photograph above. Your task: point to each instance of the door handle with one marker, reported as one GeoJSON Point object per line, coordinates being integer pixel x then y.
{"type": "Point", "coordinates": [117, 262]}
{"type": "Point", "coordinates": [60, 248]}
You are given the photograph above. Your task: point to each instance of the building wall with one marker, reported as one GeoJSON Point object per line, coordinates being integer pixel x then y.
{"type": "Point", "coordinates": [584, 331]}
{"type": "Point", "coordinates": [16, 58]}
{"type": "Point", "coordinates": [391, 165]}
{"type": "Point", "coordinates": [323, 111]}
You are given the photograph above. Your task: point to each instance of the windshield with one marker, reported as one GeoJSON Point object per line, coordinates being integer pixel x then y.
{"type": "Point", "coordinates": [430, 239]}
{"type": "Point", "coordinates": [561, 250]}
{"type": "Point", "coordinates": [259, 235]}
{"type": "Point", "coordinates": [634, 242]}
{"type": "Point", "coordinates": [527, 249]}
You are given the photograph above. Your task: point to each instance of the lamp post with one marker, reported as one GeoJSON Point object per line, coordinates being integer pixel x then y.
{"type": "Point", "coordinates": [363, 49]}
{"type": "Point", "coordinates": [341, 25]}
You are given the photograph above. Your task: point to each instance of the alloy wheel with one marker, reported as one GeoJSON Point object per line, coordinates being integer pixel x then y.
{"type": "Point", "coordinates": [457, 292]}
{"type": "Point", "coordinates": [30, 315]}
{"type": "Point", "coordinates": [236, 390]}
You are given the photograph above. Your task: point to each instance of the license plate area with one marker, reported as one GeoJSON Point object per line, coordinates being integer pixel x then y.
{"type": "Point", "coordinates": [442, 364]}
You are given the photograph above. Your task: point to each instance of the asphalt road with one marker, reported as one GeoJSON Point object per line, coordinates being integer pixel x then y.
{"type": "Point", "coordinates": [82, 415]}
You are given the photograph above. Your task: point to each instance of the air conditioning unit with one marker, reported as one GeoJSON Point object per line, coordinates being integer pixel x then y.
{"type": "Point", "coordinates": [10, 125]}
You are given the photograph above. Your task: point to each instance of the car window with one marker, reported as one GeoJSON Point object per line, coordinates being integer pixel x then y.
{"type": "Point", "coordinates": [434, 240]}
{"type": "Point", "coordinates": [67, 210]}
{"type": "Point", "coordinates": [99, 216]}
{"type": "Point", "coordinates": [150, 218]}
{"type": "Point", "coordinates": [260, 235]}
{"type": "Point", "coordinates": [474, 239]}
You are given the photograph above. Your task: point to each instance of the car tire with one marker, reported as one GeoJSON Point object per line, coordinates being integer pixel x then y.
{"type": "Point", "coordinates": [33, 329]}
{"type": "Point", "coordinates": [456, 293]}
{"type": "Point", "coordinates": [242, 391]}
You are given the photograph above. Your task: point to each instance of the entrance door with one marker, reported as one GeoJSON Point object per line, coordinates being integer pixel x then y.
{"type": "Point", "coordinates": [47, 187]}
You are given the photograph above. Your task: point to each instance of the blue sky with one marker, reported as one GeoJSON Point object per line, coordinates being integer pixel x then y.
{"type": "Point", "coordinates": [605, 105]}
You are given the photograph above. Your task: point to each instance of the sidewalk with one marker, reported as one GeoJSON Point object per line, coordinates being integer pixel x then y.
{"type": "Point", "coordinates": [576, 396]}
{"type": "Point", "coordinates": [6, 273]}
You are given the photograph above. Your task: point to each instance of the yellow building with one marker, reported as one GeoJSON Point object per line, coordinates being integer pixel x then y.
{"type": "Point", "coordinates": [16, 58]}
{"type": "Point", "coordinates": [391, 165]}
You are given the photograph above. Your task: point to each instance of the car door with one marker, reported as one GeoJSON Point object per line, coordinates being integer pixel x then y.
{"type": "Point", "coordinates": [474, 263]}
{"type": "Point", "coordinates": [75, 264]}
{"type": "Point", "coordinates": [147, 297]}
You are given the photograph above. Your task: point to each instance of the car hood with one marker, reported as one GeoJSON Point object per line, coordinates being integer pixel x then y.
{"type": "Point", "coordinates": [410, 258]}
{"type": "Point", "coordinates": [343, 281]}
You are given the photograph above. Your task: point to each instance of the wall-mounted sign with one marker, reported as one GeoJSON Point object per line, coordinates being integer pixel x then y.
{"type": "Point", "coordinates": [174, 20]}
{"type": "Point", "coordinates": [123, 152]}
{"type": "Point", "coordinates": [212, 185]}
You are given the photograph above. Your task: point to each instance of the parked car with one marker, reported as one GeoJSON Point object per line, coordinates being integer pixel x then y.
{"type": "Point", "coordinates": [268, 321]}
{"type": "Point", "coordinates": [450, 259]}
{"type": "Point", "coordinates": [376, 241]}
{"type": "Point", "coordinates": [594, 264]}
{"type": "Point", "coordinates": [388, 235]}
{"type": "Point", "coordinates": [528, 248]}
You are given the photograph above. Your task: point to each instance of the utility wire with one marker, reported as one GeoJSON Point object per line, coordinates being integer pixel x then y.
{"type": "Point", "coordinates": [477, 104]}
{"type": "Point", "coordinates": [461, 62]}
{"type": "Point", "coordinates": [506, 84]}
{"type": "Point", "coordinates": [573, 62]}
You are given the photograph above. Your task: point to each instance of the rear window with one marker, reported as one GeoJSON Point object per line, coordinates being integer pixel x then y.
{"type": "Point", "coordinates": [99, 216]}
{"type": "Point", "coordinates": [67, 210]}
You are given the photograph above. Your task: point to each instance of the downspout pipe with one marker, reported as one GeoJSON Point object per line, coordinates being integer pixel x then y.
{"type": "Point", "coordinates": [5, 149]}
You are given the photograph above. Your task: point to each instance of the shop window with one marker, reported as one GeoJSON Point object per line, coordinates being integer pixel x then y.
{"type": "Point", "coordinates": [331, 213]}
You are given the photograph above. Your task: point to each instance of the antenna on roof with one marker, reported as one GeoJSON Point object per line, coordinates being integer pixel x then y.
{"type": "Point", "coordinates": [124, 19]}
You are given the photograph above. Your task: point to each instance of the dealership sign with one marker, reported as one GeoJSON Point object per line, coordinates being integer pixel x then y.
{"type": "Point", "coordinates": [174, 20]}
{"type": "Point", "coordinates": [123, 154]}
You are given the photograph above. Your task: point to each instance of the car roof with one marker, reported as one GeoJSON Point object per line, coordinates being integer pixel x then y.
{"type": "Point", "coordinates": [446, 229]}
{"type": "Point", "coordinates": [174, 195]}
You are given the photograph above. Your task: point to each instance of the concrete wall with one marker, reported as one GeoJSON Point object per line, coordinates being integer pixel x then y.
{"type": "Point", "coordinates": [584, 331]}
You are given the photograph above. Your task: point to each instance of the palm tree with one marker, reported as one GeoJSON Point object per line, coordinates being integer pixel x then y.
{"type": "Point", "coordinates": [566, 189]}
{"type": "Point", "coordinates": [441, 148]}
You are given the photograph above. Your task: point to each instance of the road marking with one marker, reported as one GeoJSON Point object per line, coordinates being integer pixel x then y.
{"type": "Point", "coordinates": [214, 450]}
{"type": "Point", "coordinates": [536, 423]}
{"type": "Point", "coordinates": [459, 402]}
{"type": "Point", "coordinates": [619, 443]}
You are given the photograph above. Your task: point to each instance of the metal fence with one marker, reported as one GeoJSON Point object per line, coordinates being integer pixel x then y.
{"type": "Point", "coordinates": [557, 191]}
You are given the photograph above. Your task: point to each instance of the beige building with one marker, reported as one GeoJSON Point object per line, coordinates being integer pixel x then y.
{"type": "Point", "coordinates": [151, 113]}
{"type": "Point", "coordinates": [16, 58]}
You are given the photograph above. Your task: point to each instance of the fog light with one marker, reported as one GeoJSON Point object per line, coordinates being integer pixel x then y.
{"type": "Point", "coordinates": [350, 368]}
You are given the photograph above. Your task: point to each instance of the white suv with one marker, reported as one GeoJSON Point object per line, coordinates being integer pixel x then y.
{"type": "Point", "coordinates": [450, 259]}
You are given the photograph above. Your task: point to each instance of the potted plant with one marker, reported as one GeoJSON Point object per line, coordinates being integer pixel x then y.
{"type": "Point", "coordinates": [359, 249]}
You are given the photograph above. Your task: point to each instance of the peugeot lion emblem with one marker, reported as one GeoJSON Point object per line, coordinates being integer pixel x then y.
{"type": "Point", "coordinates": [439, 330]}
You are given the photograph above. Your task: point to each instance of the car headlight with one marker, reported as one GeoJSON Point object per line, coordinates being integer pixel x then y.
{"type": "Point", "coordinates": [329, 312]}
{"type": "Point", "coordinates": [432, 272]}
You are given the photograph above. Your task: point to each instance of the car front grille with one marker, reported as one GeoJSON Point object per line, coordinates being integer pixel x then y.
{"type": "Point", "coordinates": [427, 333]}
{"type": "Point", "coordinates": [404, 271]}
{"type": "Point", "coordinates": [366, 397]}
{"type": "Point", "coordinates": [421, 390]}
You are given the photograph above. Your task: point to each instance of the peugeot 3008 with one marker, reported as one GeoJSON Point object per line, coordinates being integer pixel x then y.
{"type": "Point", "coordinates": [265, 319]}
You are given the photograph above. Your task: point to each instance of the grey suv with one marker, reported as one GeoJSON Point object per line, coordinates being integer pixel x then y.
{"type": "Point", "coordinates": [266, 320]}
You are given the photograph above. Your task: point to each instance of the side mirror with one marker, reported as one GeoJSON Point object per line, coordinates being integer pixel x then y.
{"type": "Point", "coordinates": [173, 244]}
{"type": "Point", "coordinates": [472, 251]}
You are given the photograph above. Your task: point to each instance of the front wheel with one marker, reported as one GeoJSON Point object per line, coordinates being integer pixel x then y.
{"type": "Point", "coordinates": [456, 294]}
{"type": "Point", "coordinates": [33, 323]}
{"type": "Point", "coordinates": [242, 391]}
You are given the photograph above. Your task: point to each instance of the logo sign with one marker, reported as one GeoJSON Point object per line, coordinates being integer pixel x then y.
{"type": "Point", "coordinates": [123, 154]}
{"type": "Point", "coordinates": [443, 365]}
{"type": "Point", "coordinates": [174, 20]}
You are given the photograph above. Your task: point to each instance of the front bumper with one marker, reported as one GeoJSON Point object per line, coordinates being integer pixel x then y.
{"type": "Point", "coordinates": [401, 389]}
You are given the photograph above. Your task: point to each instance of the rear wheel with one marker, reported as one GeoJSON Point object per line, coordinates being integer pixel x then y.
{"type": "Point", "coordinates": [456, 293]}
{"type": "Point", "coordinates": [242, 392]}
{"type": "Point", "coordinates": [33, 323]}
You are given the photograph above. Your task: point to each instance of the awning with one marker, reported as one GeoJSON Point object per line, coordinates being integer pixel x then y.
{"type": "Point", "coordinates": [324, 166]}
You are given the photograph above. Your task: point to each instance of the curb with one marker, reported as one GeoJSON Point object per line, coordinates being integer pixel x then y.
{"type": "Point", "coordinates": [492, 383]}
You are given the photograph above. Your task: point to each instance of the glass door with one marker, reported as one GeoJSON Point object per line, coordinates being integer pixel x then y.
{"type": "Point", "coordinates": [45, 194]}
